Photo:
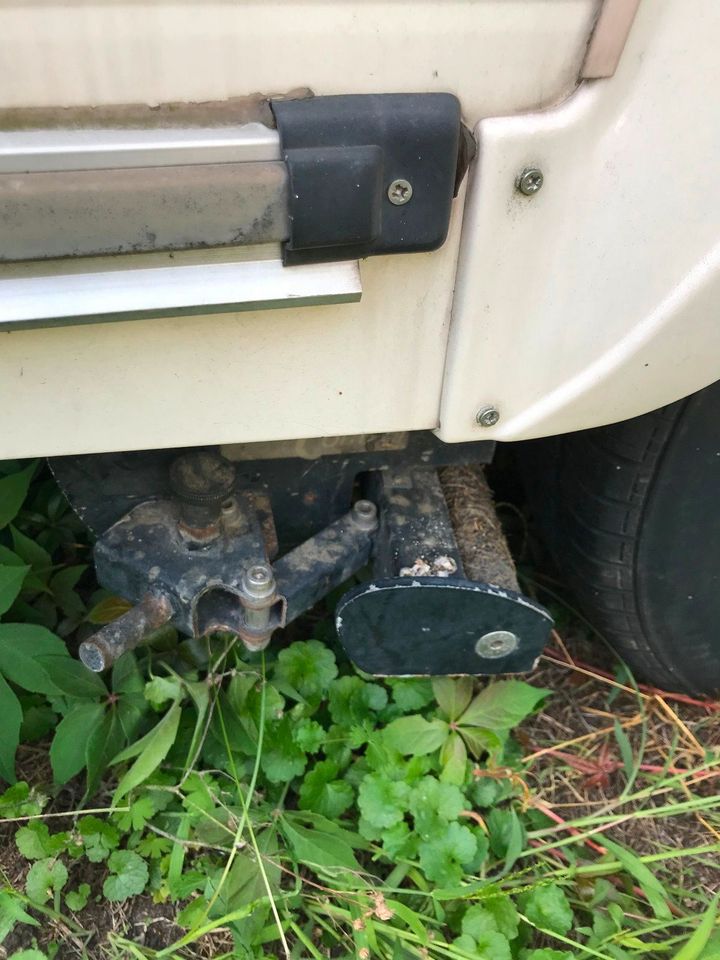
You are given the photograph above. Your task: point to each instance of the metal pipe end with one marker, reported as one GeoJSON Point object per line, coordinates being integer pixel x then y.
{"type": "Point", "coordinates": [93, 656]}
{"type": "Point", "coordinates": [132, 628]}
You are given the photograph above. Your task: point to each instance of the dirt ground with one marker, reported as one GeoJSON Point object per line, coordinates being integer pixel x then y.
{"type": "Point", "coordinates": [574, 761]}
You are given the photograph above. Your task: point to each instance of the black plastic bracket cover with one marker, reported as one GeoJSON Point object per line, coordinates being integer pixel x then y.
{"type": "Point", "coordinates": [344, 152]}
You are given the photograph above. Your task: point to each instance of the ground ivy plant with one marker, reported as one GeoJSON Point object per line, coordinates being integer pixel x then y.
{"type": "Point", "coordinates": [300, 803]}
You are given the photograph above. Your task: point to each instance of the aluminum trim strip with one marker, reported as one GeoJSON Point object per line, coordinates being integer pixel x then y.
{"type": "Point", "coordinates": [62, 299]}
{"type": "Point", "coordinates": [77, 213]}
{"type": "Point", "coordinates": [33, 151]}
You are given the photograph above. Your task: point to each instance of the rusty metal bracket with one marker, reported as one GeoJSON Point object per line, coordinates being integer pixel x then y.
{"type": "Point", "coordinates": [214, 576]}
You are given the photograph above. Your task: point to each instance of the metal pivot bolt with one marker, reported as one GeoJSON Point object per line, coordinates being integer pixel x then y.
{"type": "Point", "coordinates": [258, 595]}
{"type": "Point", "coordinates": [400, 192]}
{"type": "Point", "coordinates": [498, 643]}
{"type": "Point", "coordinates": [487, 416]}
{"type": "Point", "coordinates": [530, 181]}
{"type": "Point", "coordinates": [258, 581]}
{"type": "Point", "coordinates": [364, 514]}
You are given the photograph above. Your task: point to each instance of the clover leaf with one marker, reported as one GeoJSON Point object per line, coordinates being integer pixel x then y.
{"type": "Point", "coordinates": [45, 880]}
{"type": "Point", "coordinates": [382, 802]}
{"type": "Point", "coordinates": [547, 907]}
{"type": "Point", "coordinates": [323, 793]}
{"type": "Point", "coordinates": [443, 855]}
{"type": "Point", "coordinates": [308, 666]}
{"type": "Point", "coordinates": [128, 875]}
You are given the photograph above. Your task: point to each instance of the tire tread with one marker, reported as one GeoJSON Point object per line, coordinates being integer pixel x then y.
{"type": "Point", "coordinates": [604, 479]}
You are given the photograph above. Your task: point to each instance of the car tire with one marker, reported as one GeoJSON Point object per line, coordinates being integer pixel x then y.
{"type": "Point", "coordinates": [631, 513]}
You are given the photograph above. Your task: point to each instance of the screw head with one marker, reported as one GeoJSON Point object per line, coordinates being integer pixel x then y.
{"type": "Point", "coordinates": [530, 181]}
{"type": "Point", "coordinates": [400, 192]}
{"type": "Point", "coordinates": [498, 643]}
{"type": "Point", "coordinates": [487, 416]}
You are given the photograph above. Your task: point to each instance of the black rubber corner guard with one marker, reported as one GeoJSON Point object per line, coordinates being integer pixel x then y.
{"type": "Point", "coordinates": [343, 154]}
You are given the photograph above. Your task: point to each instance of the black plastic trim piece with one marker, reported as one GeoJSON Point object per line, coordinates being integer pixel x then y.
{"type": "Point", "coordinates": [343, 152]}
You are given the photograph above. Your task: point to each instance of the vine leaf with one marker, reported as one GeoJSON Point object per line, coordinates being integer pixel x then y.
{"type": "Point", "coordinates": [101, 746]}
{"type": "Point", "coordinates": [73, 678]}
{"type": "Point", "coordinates": [150, 751]}
{"type": "Point", "coordinates": [68, 749]}
{"type": "Point", "coordinates": [13, 490]}
{"type": "Point", "coordinates": [502, 705]}
{"type": "Point", "coordinates": [10, 722]}
{"type": "Point", "coordinates": [21, 646]}
{"type": "Point", "coordinates": [453, 695]}
{"type": "Point", "coordinates": [416, 736]}
{"type": "Point", "coordinates": [328, 852]}
{"type": "Point", "coordinates": [11, 581]}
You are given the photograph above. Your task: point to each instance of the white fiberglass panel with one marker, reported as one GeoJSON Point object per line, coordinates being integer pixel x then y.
{"type": "Point", "coordinates": [498, 56]}
{"type": "Point", "coordinates": [365, 367]}
{"type": "Point", "coordinates": [595, 299]}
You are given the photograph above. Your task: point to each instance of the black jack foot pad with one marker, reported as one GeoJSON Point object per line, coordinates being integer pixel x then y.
{"type": "Point", "coordinates": [436, 626]}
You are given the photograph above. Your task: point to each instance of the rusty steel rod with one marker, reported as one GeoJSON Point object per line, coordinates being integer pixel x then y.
{"type": "Point", "coordinates": [108, 645]}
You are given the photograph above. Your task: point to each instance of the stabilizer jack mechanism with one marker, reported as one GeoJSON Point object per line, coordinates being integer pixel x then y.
{"type": "Point", "coordinates": [443, 598]}
{"type": "Point", "coordinates": [202, 561]}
